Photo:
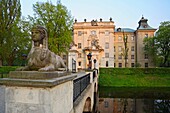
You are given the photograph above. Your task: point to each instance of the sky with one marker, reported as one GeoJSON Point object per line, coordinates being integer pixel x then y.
{"type": "Point", "coordinates": [124, 13]}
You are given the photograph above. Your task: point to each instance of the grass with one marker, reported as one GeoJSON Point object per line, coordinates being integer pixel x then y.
{"type": "Point", "coordinates": [141, 79]}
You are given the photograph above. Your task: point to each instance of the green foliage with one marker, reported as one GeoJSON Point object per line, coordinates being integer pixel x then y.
{"type": "Point", "coordinates": [4, 70]}
{"type": "Point", "coordinates": [151, 50]}
{"type": "Point", "coordinates": [134, 77]}
{"type": "Point", "coordinates": [137, 65]}
{"type": "Point", "coordinates": [7, 69]}
{"type": "Point", "coordinates": [58, 23]}
{"type": "Point", "coordinates": [158, 47]}
{"type": "Point", "coordinates": [14, 40]}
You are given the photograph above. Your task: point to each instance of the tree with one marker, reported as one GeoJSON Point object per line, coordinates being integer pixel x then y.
{"type": "Point", "coordinates": [150, 49]}
{"type": "Point", "coordinates": [11, 34]}
{"type": "Point", "coordinates": [58, 23]}
{"type": "Point", "coordinates": [125, 49]}
{"type": "Point", "coordinates": [158, 47]}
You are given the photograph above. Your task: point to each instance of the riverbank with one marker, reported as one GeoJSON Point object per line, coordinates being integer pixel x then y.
{"type": "Point", "coordinates": [134, 77]}
{"type": "Point", "coordinates": [135, 92]}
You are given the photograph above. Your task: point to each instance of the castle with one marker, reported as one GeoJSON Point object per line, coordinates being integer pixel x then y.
{"type": "Point", "coordinates": [109, 46]}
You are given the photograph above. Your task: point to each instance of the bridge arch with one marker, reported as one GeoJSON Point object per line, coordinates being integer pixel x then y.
{"type": "Point", "coordinates": [86, 101]}
{"type": "Point", "coordinates": [87, 106]}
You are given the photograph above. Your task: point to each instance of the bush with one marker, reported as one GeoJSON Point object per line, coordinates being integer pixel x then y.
{"type": "Point", "coordinates": [7, 69]}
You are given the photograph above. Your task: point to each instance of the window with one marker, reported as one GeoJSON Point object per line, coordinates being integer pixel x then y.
{"type": "Point", "coordinates": [120, 48]}
{"type": "Point", "coordinates": [146, 64]}
{"type": "Point", "coordinates": [132, 38]}
{"type": "Point", "coordinates": [79, 45]}
{"type": "Point", "coordinates": [146, 56]}
{"type": "Point", "coordinates": [120, 57]}
{"type": "Point", "coordinates": [64, 57]}
{"type": "Point", "coordinates": [119, 38]}
{"type": "Point", "coordinates": [114, 56]}
{"type": "Point", "coordinates": [132, 64]}
{"type": "Point", "coordinates": [114, 49]}
{"type": "Point", "coordinates": [93, 32]}
{"type": "Point", "coordinates": [146, 35]}
{"type": "Point", "coordinates": [132, 48]}
{"type": "Point", "coordinates": [107, 63]}
{"type": "Point", "coordinates": [107, 55]}
{"type": "Point", "coordinates": [114, 64]}
{"type": "Point", "coordinates": [145, 26]}
{"type": "Point", "coordinates": [106, 32]}
{"type": "Point", "coordinates": [132, 56]}
{"type": "Point", "coordinates": [106, 104]}
{"type": "Point", "coordinates": [106, 45]}
{"type": "Point", "coordinates": [79, 33]}
{"type": "Point", "coordinates": [79, 63]}
{"type": "Point", "coordinates": [120, 64]}
{"type": "Point", "coordinates": [119, 29]}
{"type": "Point", "coordinates": [79, 55]}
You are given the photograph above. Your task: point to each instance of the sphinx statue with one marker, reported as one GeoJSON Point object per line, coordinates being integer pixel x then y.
{"type": "Point", "coordinates": [40, 58]}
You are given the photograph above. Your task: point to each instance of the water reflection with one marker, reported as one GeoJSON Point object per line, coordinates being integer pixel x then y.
{"type": "Point", "coordinates": [134, 100]}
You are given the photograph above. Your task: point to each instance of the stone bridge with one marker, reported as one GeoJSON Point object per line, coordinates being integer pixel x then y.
{"type": "Point", "coordinates": [49, 92]}
{"type": "Point", "coordinates": [85, 92]}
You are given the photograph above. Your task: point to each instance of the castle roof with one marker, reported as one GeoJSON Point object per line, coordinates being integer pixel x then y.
{"type": "Point", "coordinates": [124, 30]}
{"type": "Point", "coordinates": [143, 25]}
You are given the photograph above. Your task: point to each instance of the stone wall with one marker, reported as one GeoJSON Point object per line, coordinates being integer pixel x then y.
{"type": "Point", "coordinates": [2, 99]}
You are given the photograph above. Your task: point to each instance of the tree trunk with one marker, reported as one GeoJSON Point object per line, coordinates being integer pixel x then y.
{"type": "Point", "coordinates": [125, 62]}
{"type": "Point", "coordinates": [165, 60]}
{"type": "Point", "coordinates": [10, 62]}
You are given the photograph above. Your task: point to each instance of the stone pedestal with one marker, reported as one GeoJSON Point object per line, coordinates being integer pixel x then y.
{"type": "Point", "coordinates": [36, 92]}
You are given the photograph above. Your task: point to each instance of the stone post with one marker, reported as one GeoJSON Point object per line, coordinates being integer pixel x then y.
{"type": "Point", "coordinates": [36, 92]}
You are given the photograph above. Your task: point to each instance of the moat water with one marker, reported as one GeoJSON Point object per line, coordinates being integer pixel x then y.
{"type": "Point", "coordinates": [133, 100]}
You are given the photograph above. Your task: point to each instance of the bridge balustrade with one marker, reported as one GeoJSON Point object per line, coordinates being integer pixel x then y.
{"type": "Point", "coordinates": [79, 85]}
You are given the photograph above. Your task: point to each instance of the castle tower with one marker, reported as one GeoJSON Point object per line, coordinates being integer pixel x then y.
{"type": "Point", "coordinates": [143, 31]}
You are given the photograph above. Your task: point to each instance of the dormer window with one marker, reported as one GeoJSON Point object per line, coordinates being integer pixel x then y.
{"type": "Point", "coordinates": [94, 22]}
{"type": "Point", "coordinates": [145, 26]}
{"type": "Point", "coordinates": [119, 29]}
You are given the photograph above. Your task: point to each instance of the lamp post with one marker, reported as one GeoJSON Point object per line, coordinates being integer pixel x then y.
{"type": "Point", "coordinates": [73, 66]}
{"type": "Point", "coordinates": [89, 58]}
{"type": "Point", "coordinates": [94, 63]}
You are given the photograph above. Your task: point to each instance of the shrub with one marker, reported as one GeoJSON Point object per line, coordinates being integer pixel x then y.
{"type": "Point", "coordinates": [7, 69]}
